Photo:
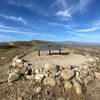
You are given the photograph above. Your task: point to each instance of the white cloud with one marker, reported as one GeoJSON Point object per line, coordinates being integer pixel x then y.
{"type": "Point", "coordinates": [64, 14]}
{"type": "Point", "coordinates": [17, 19]}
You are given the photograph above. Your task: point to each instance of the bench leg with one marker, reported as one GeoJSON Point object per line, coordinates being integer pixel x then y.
{"type": "Point", "coordinates": [38, 52]}
{"type": "Point", "coordinates": [60, 51]}
{"type": "Point", "coordinates": [49, 52]}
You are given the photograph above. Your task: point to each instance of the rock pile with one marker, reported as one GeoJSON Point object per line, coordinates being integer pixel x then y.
{"type": "Point", "coordinates": [76, 77]}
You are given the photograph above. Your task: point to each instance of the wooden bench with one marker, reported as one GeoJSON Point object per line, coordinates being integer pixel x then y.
{"type": "Point", "coordinates": [49, 48]}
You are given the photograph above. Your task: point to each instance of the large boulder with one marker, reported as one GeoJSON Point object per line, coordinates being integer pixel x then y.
{"type": "Point", "coordinates": [87, 80]}
{"type": "Point", "coordinates": [51, 67]}
{"type": "Point", "coordinates": [49, 81]}
{"type": "Point", "coordinates": [77, 87]}
{"type": "Point", "coordinates": [79, 79]}
{"type": "Point", "coordinates": [67, 74]}
{"type": "Point", "coordinates": [67, 66]}
{"type": "Point", "coordinates": [13, 77]}
{"type": "Point", "coordinates": [67, 85]}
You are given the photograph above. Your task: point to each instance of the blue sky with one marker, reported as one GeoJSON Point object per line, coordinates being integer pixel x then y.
{"type": "Point", "coordinates": [52, 20]}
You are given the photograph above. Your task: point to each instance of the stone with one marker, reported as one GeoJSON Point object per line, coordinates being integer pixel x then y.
{"type": "Point", "coordinates": [52, 75]}
{"type": "Point", "coordinates": [13, 77]}
{"type": "Point", "coordinates": [58, 82]}
{"type": "Point", "coordinates": [20, 98]}
{"type": "Point", "coordinates": [36, 71]}
{"type": "Point", "coordinates": [26, 64]}
{"type": "Point", "coordinates": [38, 89]}
{"type": "Point", "coordinates": [67, 74]}
{"type": "Point", "coordinates": [67, 67]}
{"type": "Point", "coordinates": [14, 64]}
{"type": "Point", "coordinates": [18, 71]}
{"type": "Point", "coordinates": [39, 77]}
{"type": "Point", "coordinates": [49, 81]}
{"type": "Point", "coordinates": [29, 77]}
{"type": "Point", "coordinates": [91, 60]}
{"type": "Point", "coordinates": [97, 75]}
{"type": "Point", "coordinates": [15, 58]}
{"type": "Point", "coordinates": [77, 87]}
{"type": "Point", "coordinates": [21, 66]}
{"type": "Point", "coordinates": [51, 67]}
{"type": "Point", "coordinates": [67, 85]}
{"type": "Point", "coordinates": [28, 71]}
{"type": "Point", "coordinates": [86, 67]}
{"type": "Point", "coordinates": [87, 80]}
{"type": "Point", "coordinates": [19, 61]}
{"type": "Point", "coordinates": [60, 98]}
{"type": "Point", "coordinates": [78, 78]}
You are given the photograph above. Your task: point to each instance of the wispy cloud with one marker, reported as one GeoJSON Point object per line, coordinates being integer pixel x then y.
{"type": "Point", "coordinates": [61, 3]}
{"type": "Point", "coordinates": [80, 34]}
{"type": "Point", "coordinates": [88, 29]}
{"type": "Point", "coordinates": [32, 5]}
{"type": "Point", "coordinates": [67, 26]}
{"type": "Point", "coordinates": [14, 18]}
{"type": "Point", "coordinates": [7, 29]}
{"type": "Point", "coordinates": [69, 9]}
{"type": "Point", "coordinates": [84, 3]}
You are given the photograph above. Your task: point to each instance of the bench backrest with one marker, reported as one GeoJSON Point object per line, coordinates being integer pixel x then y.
{"type": "Point", "coordinates": [49, 47]}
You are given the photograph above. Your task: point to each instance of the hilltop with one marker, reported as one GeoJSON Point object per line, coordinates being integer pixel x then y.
{"type": "Point", "coordinates": [71, 75]}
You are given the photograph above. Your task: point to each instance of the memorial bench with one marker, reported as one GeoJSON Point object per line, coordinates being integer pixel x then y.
{"type": "Point", "coordinates": [49, 48]}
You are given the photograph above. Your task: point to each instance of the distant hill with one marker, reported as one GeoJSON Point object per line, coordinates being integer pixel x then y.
{"type": "Point", "coordinates": [75, 43]}
{"type": "Point", "coordinates": [17, 44]}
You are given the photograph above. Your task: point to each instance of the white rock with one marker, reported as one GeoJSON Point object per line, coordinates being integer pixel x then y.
{"type": "Point", "coordinates": [14, 64]}
{"type": "Point", "coordinates": [29, 77]}
{"type": "Point", "coordinates": [77, 73]}
{"type": "Point", "coordinates": [19, 61]}
{"type": "Point", "coordinates": [38, 89]}
{"type": "Point", "coordinates": [36, 71]}
{"type": "Point", "coordinates": [49, 81]}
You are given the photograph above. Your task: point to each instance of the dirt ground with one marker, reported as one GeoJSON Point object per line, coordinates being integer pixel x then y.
{"type": "Point", "coordinates": [63, 59]}
{"type": "Point", "coordinates": [25, 88]}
